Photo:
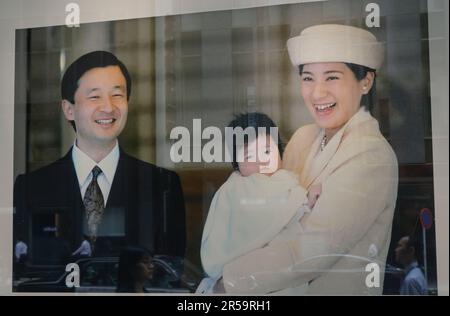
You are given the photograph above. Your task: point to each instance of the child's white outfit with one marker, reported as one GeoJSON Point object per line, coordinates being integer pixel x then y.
{"type": "Point", "coordinates": [245, 214]}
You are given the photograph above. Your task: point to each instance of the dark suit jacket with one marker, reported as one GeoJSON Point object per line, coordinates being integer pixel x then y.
{"type": "Point", "coordinates": [150, 196]}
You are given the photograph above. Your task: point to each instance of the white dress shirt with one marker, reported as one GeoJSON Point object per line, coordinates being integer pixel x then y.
{"type": "Point", "coordinates": [84, 165]}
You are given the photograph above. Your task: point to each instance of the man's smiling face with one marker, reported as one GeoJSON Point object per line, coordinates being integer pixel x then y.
{"type": "Point", "coordinates": [101, 106]}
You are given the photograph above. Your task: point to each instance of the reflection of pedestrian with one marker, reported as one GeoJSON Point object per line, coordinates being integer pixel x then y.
{"type": "Point", "coordinates": [414, 282]}
{"type": "Point", "coordinates": [135, 269]}
{"type": "Point", "coordinates": [20, 256]}
{"type": "Point", "coordinates": [84, 250]}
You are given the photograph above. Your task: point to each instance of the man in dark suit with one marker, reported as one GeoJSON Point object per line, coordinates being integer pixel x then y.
{"type": "Point", "coordinates": [96, 188]}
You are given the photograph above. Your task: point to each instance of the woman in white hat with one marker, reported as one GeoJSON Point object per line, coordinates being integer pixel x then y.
{"type": "Point", "coordinates": [330, 250]}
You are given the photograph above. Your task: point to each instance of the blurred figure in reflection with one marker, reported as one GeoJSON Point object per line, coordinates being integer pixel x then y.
{"type": "Point", "coordinates": [135, 269]}
{"type": "Point", "coordinates": [406, 253]}
{"type": "Point", "coordinates": [20, 256]}
{"type": "Point", "coordinates": [85, 249]}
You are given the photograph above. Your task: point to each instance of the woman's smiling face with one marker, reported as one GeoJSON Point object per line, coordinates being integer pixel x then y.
{"type": "Point", "coordinates": [332, 93]}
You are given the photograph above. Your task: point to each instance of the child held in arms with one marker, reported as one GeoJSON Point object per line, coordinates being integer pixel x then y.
{"type": "Point", "coordinates": [256, 202]}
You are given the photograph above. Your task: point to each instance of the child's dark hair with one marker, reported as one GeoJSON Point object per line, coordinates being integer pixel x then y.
{"type": "Point", "coordinates": [253, 120]}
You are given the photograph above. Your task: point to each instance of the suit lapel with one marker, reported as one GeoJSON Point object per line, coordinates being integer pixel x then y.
{"type": "Point", "coordinates": [116, 194]}
{"type": "Point", "coordinates": [72, 216]}
{"type": "Point", "coordinates": [121, 195]}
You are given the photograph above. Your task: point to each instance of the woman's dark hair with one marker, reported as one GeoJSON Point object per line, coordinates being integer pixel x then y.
{"type": "Point", "coordinates": [252, 120]}
{"type": "Point", "coordinates": [129, 258]}
{"type": "Point", "coordinates": [360, 73]}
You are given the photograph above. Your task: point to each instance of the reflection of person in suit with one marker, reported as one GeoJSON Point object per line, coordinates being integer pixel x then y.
{"type": "Point", "coordinates": [96, 188]}
{"type": "Point", "coordinates": [351, 222]}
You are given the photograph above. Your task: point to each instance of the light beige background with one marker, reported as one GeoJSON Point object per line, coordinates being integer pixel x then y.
{"type": "Point", "coordinates": [16, 14]}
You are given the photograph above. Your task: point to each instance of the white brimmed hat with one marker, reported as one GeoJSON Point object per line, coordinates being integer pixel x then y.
{"type": "Point", "coordinates": [336, 43]}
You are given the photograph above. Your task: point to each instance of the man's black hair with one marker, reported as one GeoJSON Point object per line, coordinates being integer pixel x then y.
{"type": "Point", "coordinates": [253, 120]}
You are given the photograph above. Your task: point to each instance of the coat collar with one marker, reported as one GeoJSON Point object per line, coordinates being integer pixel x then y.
{"type": "Point", "coordinates": [317, 160]}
